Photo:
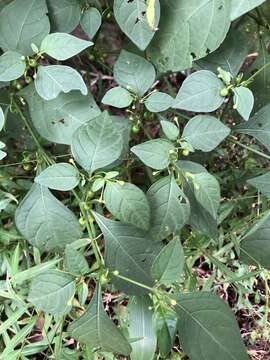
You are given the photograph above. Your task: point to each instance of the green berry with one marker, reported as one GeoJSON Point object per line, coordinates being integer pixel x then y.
{"type": "Point", "coordinates": [185, 152]}
{"type": "Point", "coordinates": [27, 167]}
{"type": "Point", "coordinates": [90, 194]}
{"type": "Point", "coordinates": [28, 79]}
{"type": "Point", "coordinates": [32, 62]}
{"type": "Point", "coordinates": [18, 86]}
{"type": "Point", "coordinates": [135, 129]}
{"type": "Point", "coordinates": [224, 92]}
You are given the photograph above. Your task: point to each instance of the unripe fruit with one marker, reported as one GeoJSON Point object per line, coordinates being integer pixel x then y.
{"type": "Point", "coordinates": [90, 194]}
{"type": "Point", "coordinates": [27, 167]}
{"type": "Point", "coordinates": [18, 86]}
{"type": "Point", "coordinates": [185, 152]}
{"type": "Point", "coordinates": [135, 129]}
{"type": "Point", "coordinates": [32, 62]}
{"type": "Point", "coordinates": [28, 79]}
{"type": "Point", "coordinates": [103, 279]}
{"type": "Point", "coordinates": [224, 92]}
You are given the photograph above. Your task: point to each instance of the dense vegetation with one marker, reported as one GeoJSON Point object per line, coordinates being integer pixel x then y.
{"type": "Point", "coordinates": [134, 179]}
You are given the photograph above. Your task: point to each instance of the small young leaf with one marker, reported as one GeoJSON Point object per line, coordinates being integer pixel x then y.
{"type": "Point", "coordinates": [200, 92]}
{"type": "Point", "coordinates": [165, 325]}
{"type": "Point", "coordinates": [91, 21]}
{"type": "Point", "coordinates": [158, 102]}
{"type": "Point", "coordinates": [205, 132]}
{"type": "Point", "coordinates": [170, 130]}
{"type": "Point", "coordinates": [154, 153]}
{"type": "Point", "coordinates": [98, 184]}
{"type": "Point", "coordinates": [168, 265]}
{"type": "Point", "coordinates": [61, 46]}
{"type": "Point", "coordinates": [97, 330]}
{"type": "Point", "coordinates": [128, 203]}
{"type": "Point", "coordinates": [243, 101]}
{"type": "Point", "coordinates": [52, 292]}
{"type": "Point", "coordinates": [118, 97]}
{"type": "Point", "coordinates": [61, 176]}
{"type": "Point", "coordinates": [207, 328]}
{"type": "Point", "coordinates": [64, 15]}
{"type": "Point", "coordinates": [97, 143]}
{"type": "Point", "coordinates": [12, 66]}
{"type": "Point", "coordinates": [262, 183]}
{"type": "Point", "coordinates": [53, 79]}
{"type": "Point", "coordinates": [134, 72]}
{"type": "Point", "coordinates": [169, 207]}
{"type": "Point", "coordinates": [75, 262]}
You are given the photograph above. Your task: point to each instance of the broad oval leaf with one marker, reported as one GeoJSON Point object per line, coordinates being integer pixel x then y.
{"type": "Point", "coordinates": [52, 292]}
{"type": "Point", "coordinates": [62, 46]}
{"type": "Point", "coordinates": [96, 329]}
{"type": "Point", "coordinates": [75, 262]}
{"type": "Point", "coordinates": [240, 7]}
{"type": "Point", "coordinates": [131, 17]}
{"type": "Point", "coordinates": [129, 250]}
{"type": "Point", "coordinates": [118, 97]}
{"type": "Point", "coordinates": [208, 329]}
{"type": "Point", "coordinates": [243, 101]}
{"type": "Point", "coordinates": [188, 30]}
{"type": "Point", "coordinates": [140, 327]}
{"type": "Point", "coordinates": [57, 120]}
{"type": "Point", "coordinates": [168, 265]}
{"type": "Point", "coordinates": [61, 176]}
{"type": "Point", "coordinates": [200, 92]}
{"type": "Point", "coordinates": [45, 222]}
{"type": "Point", "coordinates": [262, 183]}
{"type": "Point", "coordinates": [12, 66]}
{"type": "Point", "coordinates": [97, 143]}
{"type": "Point", "coordinates": [205, 132]}
{"type": "Point", "coordinates": [169, 207]}
{"type": "Point", "coordinates": [158, 102]}
{"type": "Point", "coordinates": [171, 131]}
{"type": "Point", "coordinates": [154, 153]}
{"type": "Point", "coordinates": [91, 21]}
{"type": "Point", "coordinates": [51, 80]}
{"type": "Point", "coordinates": [127, 203]}
{"type": "Point", "coordinates": [134, 72]}
{"type": "Point", "coordinates": [255, 245]}
{"type": "Point", "coordinates": [64, 15]}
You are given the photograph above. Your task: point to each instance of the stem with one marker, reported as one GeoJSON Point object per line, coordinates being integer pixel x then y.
{"type": "Point", "coordinates": [135, 283]}
{"type": "Point", "coordinates": [252, 77]}
{"type": "Point", "coordinates": [249, 148]}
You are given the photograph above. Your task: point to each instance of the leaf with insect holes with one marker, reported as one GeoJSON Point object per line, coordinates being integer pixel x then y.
{"type": "Point", "coordinates": [134, 72]}
{"type": "Point", "coordinates": [51, 80]}
{"type": "Point", "coordinates": [61, 176]}
{"type": "Point", "coordinates": [52, 292]}
{"type": "Point", "coordinates": [154, 153]}
{"type": "Point", "coordinates": [130, 251]}
{"type": "Point", "coordinates": [61, 46]}
{"type": "Point", "coordinates": [12, 66]}
{"type": "Point", "coordinates": [200, 92]}
{"type": "Point", "coordinates": [127, 203]}
{"type": "Point", "coordinates": [131, 17]}
{"type": "Point", "coordinates": [243, 101]}
{"type": "Point", "coordinates": [169, 207]}
{"type": "Point", "coordinates": [91, 21]}
{"type": "Point", "coordinates": [96, 329]}
{"type": "Point", "coordinates": [158, 102]}
{"type": "Point", "coordinates": [118, 97]}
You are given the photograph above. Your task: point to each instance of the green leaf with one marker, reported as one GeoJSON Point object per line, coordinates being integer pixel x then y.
{"type": "Point", "coordinates": [158, 102]}
{"type": "Point", "coordinates": [168, 265]}
{"type": "Point", "coordinates": [131, 17]}
{"type": "Point", "coordinates": [53, 79]}
{"type": "Point", "coordinates": [262, 183]}
{"type": "Point", "coordinates": [207, 328]}
{"type": "Point", "coordinates": [170, 130]}
{"type": "Point", "coordinates": [52, 292]}
{"type": "Point", "coordinates": [255, 245]}
{"type": "Point", "coordinates": [154, 153]}
{"type": "Point", "coordinates": [57, 120]}
{"type": "Point", "coordinates": [258, 126]}
{"type": "Point", "coordinates": [129, 250]}
{"type": "Point", "coordinates": [75, 262]}
{"type": "Point", "coordinates": [243, 101]}
{"type": "Point", "coordinates": [165, 324]}
{"type": "Point", "coordinates": [141, 327]}
{"type": "Point", "coordinates": [45, 222]}
{"type": "Point", "coordinates": [97, 143]}
{"type": "Point", "coordinates": [61, 46]}
{"type": "Point", "coordinates": [207, 192]}
{"type": "Point", "coordinates": [91, 21]}
{"type": "Point", "coordinates": [64, 15]}
{"type": "Point", "coordinates": [23, 23]}
{"type": "Point", "coordinates": [225, 56]}
{"type": "Point", "coordinates": [118, 97]}
{"type": "Point", "coordinates": [2, 119]}
{"type": "Point", "coordinates": [127, 203]}
{"type": "Point", "coordinates": [205, 132]}
{"type": "Point", "coordinates": [12, 66]}
{"type": "Point", "coordinates": [188, 30]}
{"type": "Point", "coordinates": [240, 7]}
{"type": "Point", "coordinates": [61, 176]}
{"type": "Point", "coordinates": [169, 207]}
{"type": "Point", "coordinates": [96, 329]}
{"type": "Point", "coordinates": [134, 72]}
{"type": "Point", "coordinates": [200, 92]}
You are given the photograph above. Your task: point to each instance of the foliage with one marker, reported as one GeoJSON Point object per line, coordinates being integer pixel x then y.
{"type": "Point", "coordinates": [122, 177]}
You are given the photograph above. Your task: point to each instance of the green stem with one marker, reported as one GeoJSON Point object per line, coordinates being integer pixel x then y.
{"type": "Point", "coordinates": [249, 148]}
{"type": "Point", "coordinates": [135, 283]}
{"type": "Point", "coordinates": [252, 77]}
